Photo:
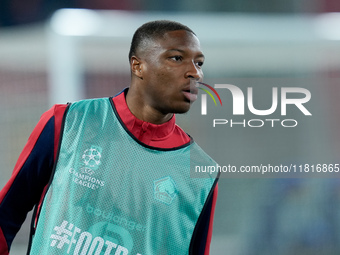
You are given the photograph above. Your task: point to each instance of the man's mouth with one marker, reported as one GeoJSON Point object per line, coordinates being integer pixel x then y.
{"type": "Point", "coordinates": [191, 91]}
{"type": "Point", "coordinates": [190, 96]}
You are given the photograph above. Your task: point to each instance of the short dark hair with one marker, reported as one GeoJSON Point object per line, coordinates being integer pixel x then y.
{"type": "Point", "coordinates": [153, 30]}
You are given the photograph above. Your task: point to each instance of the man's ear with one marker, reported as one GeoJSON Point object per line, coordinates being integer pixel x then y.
{"type": "Point", "coordinates": [136, 67]}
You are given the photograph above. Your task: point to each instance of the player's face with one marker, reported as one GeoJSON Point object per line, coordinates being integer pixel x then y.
{"type": "Point", "coordinates": [172, 65]}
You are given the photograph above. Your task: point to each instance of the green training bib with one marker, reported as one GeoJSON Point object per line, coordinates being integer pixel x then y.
{"type": "Point", "coordinates": [110, 194]}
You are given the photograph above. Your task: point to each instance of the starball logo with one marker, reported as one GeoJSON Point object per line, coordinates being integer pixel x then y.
{"type": "Point", "coordinates": [238, 105]}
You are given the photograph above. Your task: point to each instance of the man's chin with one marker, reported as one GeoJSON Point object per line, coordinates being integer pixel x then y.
{"type": "Point", "coordinates": [183, 109]}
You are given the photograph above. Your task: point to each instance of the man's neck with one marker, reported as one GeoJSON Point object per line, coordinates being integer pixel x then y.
{"type": "Point", "coordinates": [143, 111]}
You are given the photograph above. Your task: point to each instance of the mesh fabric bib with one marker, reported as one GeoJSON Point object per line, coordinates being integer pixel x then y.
{"type": "Point", "coordinates": [110, 194]}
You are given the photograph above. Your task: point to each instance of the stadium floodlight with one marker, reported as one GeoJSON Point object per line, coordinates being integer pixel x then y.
{"type": "Point", "coordinates": [80, 23]}
{"type": "Point", "coordinates": [328, 26]}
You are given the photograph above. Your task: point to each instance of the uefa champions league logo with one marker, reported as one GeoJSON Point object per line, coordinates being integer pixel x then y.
{"type": "Point", "coordinates": [84, 172]}
{"type": "Point", "coordinates": [91, 159]}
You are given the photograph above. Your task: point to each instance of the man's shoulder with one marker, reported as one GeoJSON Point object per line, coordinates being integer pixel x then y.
{"type": "Point", "coordinates": [92, 103]}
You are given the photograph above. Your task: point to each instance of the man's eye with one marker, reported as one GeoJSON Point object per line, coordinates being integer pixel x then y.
{"type": "Point", "coordinates": [176, 58]}
{"type": "Point", "coordinates": [200, 63]}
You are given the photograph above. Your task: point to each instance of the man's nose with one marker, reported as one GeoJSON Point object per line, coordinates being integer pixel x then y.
{"type": "Point", "coordinates": [194, 72]}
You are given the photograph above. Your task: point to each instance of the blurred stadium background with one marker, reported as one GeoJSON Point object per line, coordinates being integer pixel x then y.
{"type": "Point", "coordinates": [48, 57]}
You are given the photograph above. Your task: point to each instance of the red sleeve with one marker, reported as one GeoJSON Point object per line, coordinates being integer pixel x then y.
{"type": "Point", "coordinates": [29, 177]}
{"type": "Point", "coordinates": [59, 111]}
{"type": "Point", "coordinates": [3, 244]}
{"type": "Point", "coordinates": [56, 111]}
{"type": "Point", "coordinates": [27, 150]}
